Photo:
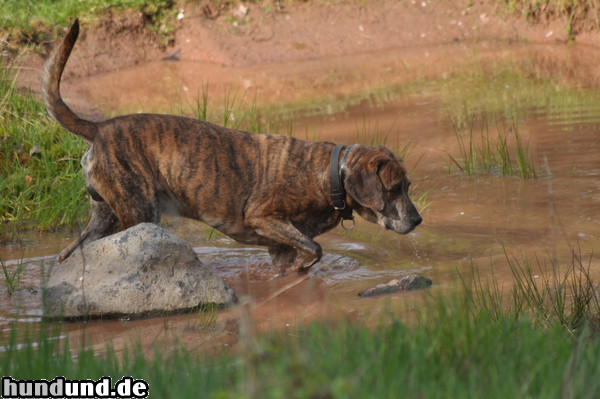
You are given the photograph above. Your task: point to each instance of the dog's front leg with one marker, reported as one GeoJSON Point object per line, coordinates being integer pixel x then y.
{"type": "Point", "coordinates": [282, 255]}
{"type": "Point", "coordinates": [307, 252]}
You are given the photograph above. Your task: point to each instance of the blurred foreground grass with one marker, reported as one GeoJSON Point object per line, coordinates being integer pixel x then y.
{"type": "Point", "coordinates": [478, 341]}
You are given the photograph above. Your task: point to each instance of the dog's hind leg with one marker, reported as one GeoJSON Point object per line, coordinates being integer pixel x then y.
{"type": "Point", "coordinates": [106, 219]}
{"type": "Point", "coordinates": [130, 192]}
{"type": "Point", "coordinates": [135, 209]}
{"type": "Point", "coordinates": [101, 223]}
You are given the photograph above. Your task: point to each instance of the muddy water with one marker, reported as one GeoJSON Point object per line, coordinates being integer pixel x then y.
{"type": "Point", "coordinates": [549, 90]}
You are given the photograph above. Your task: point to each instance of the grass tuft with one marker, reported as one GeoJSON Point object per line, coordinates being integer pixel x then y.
{"type": "Point", "coordinates": [373, 136]}
{"type": "Point", "coordinates": [555, 293]}
{"type": "Point", "coordinates": [482, 154]}
{"type": "Point", "coordinates": [237, 113]}
{"type": "Point", "coordinates": [545, 291]}
{"type": "Point", "coordinates": [11, 278]}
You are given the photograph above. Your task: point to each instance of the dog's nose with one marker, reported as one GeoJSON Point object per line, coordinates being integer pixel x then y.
{"type": "Point", "coordinates": [417, 219]}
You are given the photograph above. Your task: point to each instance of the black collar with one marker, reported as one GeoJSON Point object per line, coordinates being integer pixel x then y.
{"type": "Point", "coordinates": [338, 193]}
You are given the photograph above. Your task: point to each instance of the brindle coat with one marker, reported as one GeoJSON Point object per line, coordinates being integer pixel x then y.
{"type": "Point", "coordinates": [255, 188]}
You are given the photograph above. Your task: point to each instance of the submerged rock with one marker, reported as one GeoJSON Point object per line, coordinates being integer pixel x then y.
{"type": "Point", "coordinates": [142, 271]}
{"type": "Point", "coordinates": [408, 283]}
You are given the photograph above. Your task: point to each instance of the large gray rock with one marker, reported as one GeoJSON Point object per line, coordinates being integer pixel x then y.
{"type": "Point", "coordinates": [143, 271]}
{"type": "Point", "coordinates": [407, 283]}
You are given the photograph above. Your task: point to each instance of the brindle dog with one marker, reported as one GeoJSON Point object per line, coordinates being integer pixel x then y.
{"type": "Point", "coordinates": [255, 188]}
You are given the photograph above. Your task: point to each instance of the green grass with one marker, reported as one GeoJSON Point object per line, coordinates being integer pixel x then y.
{"type": "Point", "coordinates": [555, 293]}
{"type": "Point", "coordinates": [471, 343]}
{"type": "Point", "coordinates": [34, 21]}
{"type": "Point", "coordinates": [483, 154]}
{"type": "Point", "coordinates": [550, 293]}
{"type": "Point", "coordinates": [11, 277]}
{"type": "Point", "coordinates": [420, 198]}
{"type": "Point", "coordinates": [41, 186]}
{"type": "Point", "coordinates": [579, 14]}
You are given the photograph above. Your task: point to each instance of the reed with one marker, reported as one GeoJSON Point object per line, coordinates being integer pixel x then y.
{"type": "Point", "coordinates": [547, 292]}
{"type": "Point", "coordinates": [11, 277]}
{"type": "Point", "coordinates": [485, 153]}
{"type": "Point", "coordinates": [370, 134]}
{"type": "Point", "coordinates": [555, 293]}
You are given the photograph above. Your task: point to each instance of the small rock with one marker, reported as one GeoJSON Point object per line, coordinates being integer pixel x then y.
{"type": "Point", "coordinates": [408, 283]}
{"type": "Point", "coordinates": [35, 150]}
{"type": "Point", "coordinates": [142, 271]}
{"type": "Point", "coordinates": [241, 11]}
{"type": "Point", "coordinates": [262, 33]}
{"type": "Point", "coordinates": [212, 12]}
{"type": "Point", "coordinates": [173, 56]}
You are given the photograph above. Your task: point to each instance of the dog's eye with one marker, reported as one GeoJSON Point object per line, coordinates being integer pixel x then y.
{"type": "Point", "coordinates": [401, 186]}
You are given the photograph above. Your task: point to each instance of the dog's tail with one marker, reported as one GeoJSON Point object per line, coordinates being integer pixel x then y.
{"type": "Point", "coordinates": [51, 75]}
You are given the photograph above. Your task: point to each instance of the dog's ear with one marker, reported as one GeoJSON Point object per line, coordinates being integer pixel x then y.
{"type": "Point", "coordinates": [363, 184]}
{"type": "Point", "coordinates": [390, 173]}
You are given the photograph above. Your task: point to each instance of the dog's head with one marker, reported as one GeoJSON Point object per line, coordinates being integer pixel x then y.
{"type": "Point", "coordinates": [377, 183]}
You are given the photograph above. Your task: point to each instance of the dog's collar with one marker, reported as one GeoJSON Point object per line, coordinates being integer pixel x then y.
{"type": "Point", "coordinates": [337, 172]}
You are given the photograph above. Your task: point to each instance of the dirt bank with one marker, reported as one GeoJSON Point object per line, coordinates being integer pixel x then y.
{"type": "Point", "coordinates": [241, 35]}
